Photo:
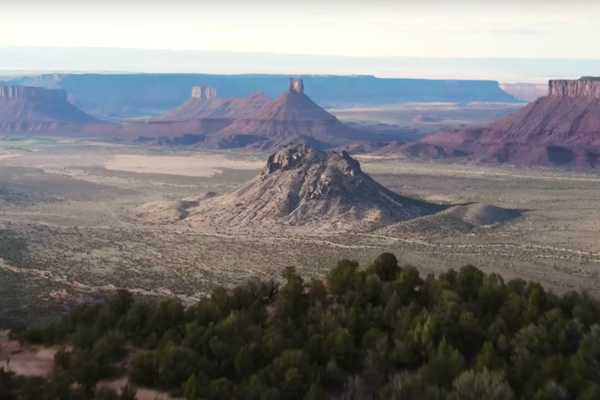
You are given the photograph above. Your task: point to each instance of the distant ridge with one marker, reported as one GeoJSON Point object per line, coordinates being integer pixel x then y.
{"type": "Point", "coordinates": [255, 121]}
{"type": "Point", "coordinates": [116, 96]}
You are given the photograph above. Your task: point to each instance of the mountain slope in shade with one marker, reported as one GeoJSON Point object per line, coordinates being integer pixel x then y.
{"type": "Point", "coordinates": [303, 187]}
{"type": "Point", "coordinates": [29, 109]}
{"type": "Point", "coordinates": [560, 129]}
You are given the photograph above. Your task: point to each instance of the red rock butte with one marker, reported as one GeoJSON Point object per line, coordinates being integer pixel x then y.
{"type": "Point", "coordinates": [560, 129]}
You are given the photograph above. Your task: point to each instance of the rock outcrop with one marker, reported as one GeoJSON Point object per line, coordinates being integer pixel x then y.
{"type": "Point", "coordinates": [303, 187]}
{"type": "Point", "coordinates": [560, 129]}
{"type": "Point", "coordinates": [204, 92]}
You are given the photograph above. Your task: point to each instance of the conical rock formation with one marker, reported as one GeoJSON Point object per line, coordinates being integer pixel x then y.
{"type": "Point", "coordinates": [304, 187]}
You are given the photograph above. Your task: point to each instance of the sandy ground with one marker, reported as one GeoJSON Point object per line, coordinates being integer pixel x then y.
{"type": "Point", "coordinates": [206, 165]}
{"type": "Point", "coordinates": [7, 156]}
{"type": "Point", "coordinates": [30, 361]}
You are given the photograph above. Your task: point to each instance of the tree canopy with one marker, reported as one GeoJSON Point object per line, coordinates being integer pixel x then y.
{"type": "Point", "coordinates": [379, 332]}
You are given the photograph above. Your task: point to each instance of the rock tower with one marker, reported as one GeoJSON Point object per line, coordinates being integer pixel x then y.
{"type": "Point", "coordinates": [296, 85]}
{"type": "Point", "coordinates": [584, 87]}
{"type": "Point", "coordinates": [204, 92]}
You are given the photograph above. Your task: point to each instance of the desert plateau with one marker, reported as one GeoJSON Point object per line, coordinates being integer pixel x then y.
{"type": "Point", "coordinates": [70, 227]}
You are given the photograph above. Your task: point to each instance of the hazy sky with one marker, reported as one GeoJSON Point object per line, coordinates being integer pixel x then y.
{"type": "Point", "coordinates": [424, 28]}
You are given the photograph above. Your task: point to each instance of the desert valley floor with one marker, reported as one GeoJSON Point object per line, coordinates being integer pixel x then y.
{"type": "Point", "coordinates": [68, 225]}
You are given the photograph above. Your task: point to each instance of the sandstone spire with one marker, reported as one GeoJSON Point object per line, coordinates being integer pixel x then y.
{"type": "Point", "coordinates": [296, 85]}
{"type": "Point", "coordinates": [204, 92]}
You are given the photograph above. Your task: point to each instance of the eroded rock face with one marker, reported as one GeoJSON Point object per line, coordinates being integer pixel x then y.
{"type": "Point", "coordinates": [204, 92]}
{"type": "Point", "coordinates": [584, 87]}
{"type": "Point", "coordinates": [293, 157]}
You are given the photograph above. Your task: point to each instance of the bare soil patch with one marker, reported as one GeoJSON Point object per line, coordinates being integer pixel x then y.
{"type": "Point", "coordinates": [206, 165]}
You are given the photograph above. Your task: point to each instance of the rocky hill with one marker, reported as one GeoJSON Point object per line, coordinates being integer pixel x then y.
{"type": "Point", "coordinates": [31, 109]}
{"type": "Point", "coordinates": [560, 129]}
{"type": "Point", "coordinates": [305, 188]}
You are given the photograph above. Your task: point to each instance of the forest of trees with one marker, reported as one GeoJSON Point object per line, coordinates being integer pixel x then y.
{"type": "Point", "coordinates": [379, 332]}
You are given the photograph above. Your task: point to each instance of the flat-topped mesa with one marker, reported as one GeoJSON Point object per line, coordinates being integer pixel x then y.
{"type": "Point", "coordinates": [296, 85]}
{"type": "Point", "coordinates": [204, 92]}
{"type": "Point", "coordinates": [32, 93]}
{"type": "Point", "coordinates": [584, 87]}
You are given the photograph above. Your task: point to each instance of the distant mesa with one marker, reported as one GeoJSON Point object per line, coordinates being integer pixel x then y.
{"type": "Point", "coordinates": [30, 109]}
{"type": "Point", "coordinates": [559, 129]}
{"type": "Point", "coordinates": [118, 96]}
{"type": "Point", "coordinates": [301, 187]}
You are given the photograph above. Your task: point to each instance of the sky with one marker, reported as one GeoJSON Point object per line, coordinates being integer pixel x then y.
{"type": "Point", "coordinates": [534, 29]}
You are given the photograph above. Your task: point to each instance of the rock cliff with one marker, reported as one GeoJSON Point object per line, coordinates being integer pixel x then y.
{"type": "Point", "coordinates": [584, 87]}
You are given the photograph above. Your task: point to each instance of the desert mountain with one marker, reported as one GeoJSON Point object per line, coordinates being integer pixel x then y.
{"type": "Point", "coordinates": [560, 129]}
{"type": "Point", "coordinates": [32, 109]}
{"type": "Point", "coordinates": [255, 121]}
{"type": "Point", "coordinates": [204, 104]}
{"type": "Point", "coordinates": [301, 186]}
{"type": "Point", "coordinates": [292, 115]}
